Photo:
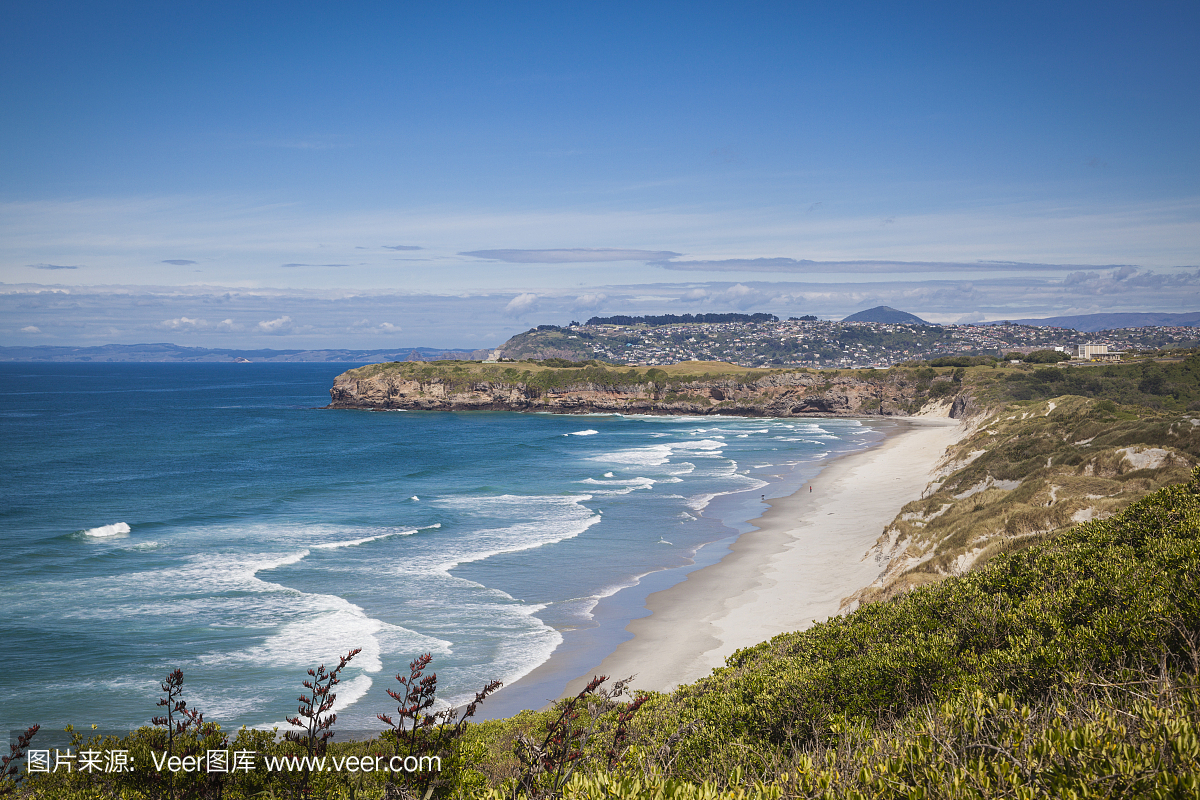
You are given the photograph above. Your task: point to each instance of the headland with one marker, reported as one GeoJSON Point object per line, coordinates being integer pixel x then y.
{"type": "Point", "coordinates": [692, 388]}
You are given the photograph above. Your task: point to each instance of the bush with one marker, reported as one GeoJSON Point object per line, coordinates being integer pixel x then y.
{"type": "Point", "coordinates": [1104, 597]}
{"type": "Point", "coordinates": [943, 389]}
{"type": "Point", "coordinates": [1045, 357]}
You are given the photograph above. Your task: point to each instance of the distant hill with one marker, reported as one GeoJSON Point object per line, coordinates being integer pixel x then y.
{"type": "Point", "coordinates": [886, 314]}
{"type": "Point", "coordinates": [1090, 323]}
{"type": "Point", "coordinates": [178, 353]}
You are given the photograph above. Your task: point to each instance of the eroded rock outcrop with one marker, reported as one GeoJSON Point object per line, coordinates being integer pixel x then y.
{"type": "Point", "coordinates": [776, 394]}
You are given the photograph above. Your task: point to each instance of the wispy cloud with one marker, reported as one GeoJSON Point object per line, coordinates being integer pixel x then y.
{"type": "Point", "coordinates": [54, 266]}
{"type": "Point", "coordinates": [580, 255]}
{"type": "Point", "coordinates": [179, 262]}
{"type": "Point", "coordinates": [289, 266]}
{"type": "Point", "coordinates": [245, 244]}
{"type": "Point", "coordinates": [401, 247]}
{"type": "Point", "coordinates": [801, 266]}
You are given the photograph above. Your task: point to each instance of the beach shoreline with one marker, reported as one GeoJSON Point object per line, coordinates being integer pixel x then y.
{"type": "Point", "coordinates": [805, 556]}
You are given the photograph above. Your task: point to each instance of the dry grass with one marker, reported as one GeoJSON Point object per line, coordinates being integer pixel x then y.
{"type": "Point", "coordinates": [1026, 473]}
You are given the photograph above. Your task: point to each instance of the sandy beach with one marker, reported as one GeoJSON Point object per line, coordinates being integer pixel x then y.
{"type": "Point", "coordinates": [805, 558]}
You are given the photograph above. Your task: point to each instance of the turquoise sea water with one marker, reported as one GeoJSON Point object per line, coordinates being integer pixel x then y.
{"type": "Point", "coordinates": [212, 517]}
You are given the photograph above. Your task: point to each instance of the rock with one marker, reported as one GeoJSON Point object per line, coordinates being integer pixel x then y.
{"type": "Point", "coordinates": [775, 395]}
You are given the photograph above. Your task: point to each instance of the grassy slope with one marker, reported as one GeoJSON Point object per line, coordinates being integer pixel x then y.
{"type": "Point", "coordinates": [1106, 436]}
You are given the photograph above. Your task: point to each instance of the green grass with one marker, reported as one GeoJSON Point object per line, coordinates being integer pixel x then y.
{"type": "Point", "coordinates": [1162, 384]}
{"type": "Point", "coordinates": [550, 376]}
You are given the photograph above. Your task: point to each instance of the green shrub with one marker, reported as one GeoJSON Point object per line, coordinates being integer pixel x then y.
{"type": "Point", "coordinates": [1103, 597]}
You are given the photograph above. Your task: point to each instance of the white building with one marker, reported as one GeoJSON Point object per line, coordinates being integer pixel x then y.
{"type": "Point", "coordinates": [1095, 352]}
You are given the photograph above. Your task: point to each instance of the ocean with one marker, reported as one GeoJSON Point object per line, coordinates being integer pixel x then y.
{"type": "Point", "coordinates": [213, 518]}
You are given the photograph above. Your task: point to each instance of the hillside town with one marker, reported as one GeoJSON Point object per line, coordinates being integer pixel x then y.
{"type": "Point", "coordinates": [821, 343]}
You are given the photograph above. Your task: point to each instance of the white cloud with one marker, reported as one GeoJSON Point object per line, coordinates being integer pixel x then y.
{"type": "Point", "coordinates": [281, 325]}
{"type": "Point", "coordinates": [182, 324]}
{"type": "Point", "coordinates": [31, 329]}
{"type": "Point", "coordinates": [387, 327]}
{"type": "Point", "coordinates": [590, 301]}
{"type": "Point", "coordinates": [741, 296]}
{"type": "Point", "coordinates": [521, 304]}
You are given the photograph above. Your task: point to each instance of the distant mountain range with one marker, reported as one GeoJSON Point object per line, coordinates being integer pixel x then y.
{"type": "Point", "coordinates": [178, 353]}
{"type": "Point", "coordinates": [1090, 323]}
{"type": "Point", "coordinates": [887, 315]}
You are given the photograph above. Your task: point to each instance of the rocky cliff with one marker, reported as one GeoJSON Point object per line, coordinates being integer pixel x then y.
{"type": "Point", "coordinates": [525, 387]}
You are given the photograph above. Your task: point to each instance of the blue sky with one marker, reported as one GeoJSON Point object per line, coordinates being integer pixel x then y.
{"type": "Point", "coordinates": [384, 174]}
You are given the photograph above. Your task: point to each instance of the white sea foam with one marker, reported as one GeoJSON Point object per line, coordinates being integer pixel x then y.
{"type": "Point", "coordinates": [225, 707]}
{"type": "Point", "coordinates": [651, 456]}
{"type": "Point", "coordinates": [306, 628]}
{"type": "Point", "coordinates": [318, 628]}
{"type": "Point", "coordinates": [364, 540]}
{"type": "Point", "coordinates": [520, 651]}
{"type": "Point", "coordinates": [351, 691]}
{"type": "Point", "coordinates": [327, 627]}
{"type": "Point", "coordinates": [658, 454]}
{"type": "Point", "coordinates": [701, 501]}
{"type": "Point", "coordinates": [114, 529]}
{"type": "Point", "coordinates": [609, 475]}
{"type": "Point", "coordinates": [414, 497]}
{"type": "Point", "coordinates": [538, 520]}
{"type": "Point", "coordinates": [638, 482]}
{"type": "Point", "coordinates": [588, 432]}
{"type": "Point", "coordinates": [588, 603]}
{"type": "Point", "coordinates": [701, 446]}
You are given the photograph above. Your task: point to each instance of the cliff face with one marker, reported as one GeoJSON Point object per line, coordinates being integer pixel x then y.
{"type": "Point", "coordinates": [776, 394]}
